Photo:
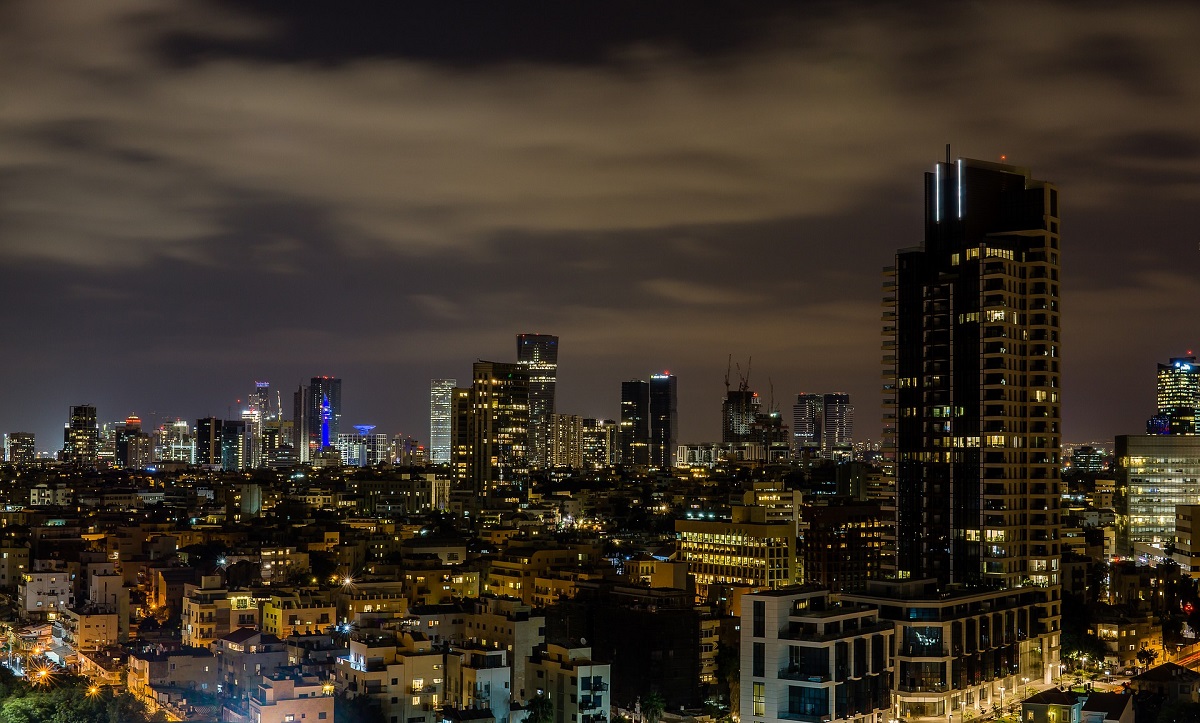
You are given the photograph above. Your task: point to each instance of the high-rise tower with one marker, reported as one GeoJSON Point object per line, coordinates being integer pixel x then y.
{"type": "Point", "coordinates": [538, 354]}
{"type": "Point", "coordinates": [971, 380]}
{"type": "Point", "coordinates": [664, 420]}
{"type": "Point", "coordinates": [324, 412]}
{"type": "Point", "coordinates": [441, 393]}
{"type": "Point", "coordinates": [1178, 397]}
{"type": "Point", "coordinates": [499, 426]}
{"type": "Point", "coordinates": [635, 423]}
{"type": "Point", "coordinates": [81, 436]}
{"type": "Point", "coordinates": [975, 321]}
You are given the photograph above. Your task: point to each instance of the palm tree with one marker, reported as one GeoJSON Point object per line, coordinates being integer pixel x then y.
{"type": "Point", "coordinates": [653, 707]}
{"type": "Point", "coordinates": [539, 709]}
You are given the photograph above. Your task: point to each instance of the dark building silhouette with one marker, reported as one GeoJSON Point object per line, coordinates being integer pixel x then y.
{"type": "Point", "coordinates": [664, 420]}
{"type": "Point", "coordinates": [635, 423]}
{"type": "Point", "coordinates": [538, 354]}
{"type": "Point", "coordinates": [81, 437]}
{"type": "Point", "coordinates": [651, 637]}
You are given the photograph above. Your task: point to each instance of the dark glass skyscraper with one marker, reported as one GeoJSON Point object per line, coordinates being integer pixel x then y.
{"type": "Point", "coordinates": [971, 327]}
{"type": "Point", "coordinates": [635, 423]}
{"type": "Point", "coordinates": [538, 354]}
{"type": "Point", "coordinates": [324, 412]}
{"type": "Point", "coordinates": [1178, 397]}
{"type": "Point", "coordinates": [81, 436]}
{"type": "Point", "coordinates": [664, 420]}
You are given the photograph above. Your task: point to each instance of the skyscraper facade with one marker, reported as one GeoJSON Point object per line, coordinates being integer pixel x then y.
{"type": "Point", "coordinates": [972, 321]}
{"type": "Point", "coordinates": [837, 431]}
{"type": "Point", "coordinates": [808, 419]}
{"type": "Point", "coordinates": [441, 392]}
{"type": "Point", "coordinates": [300, 419]}
{"type": "Point", "coordinates": [1178, 397]}
{"type": "Point", "coordinates": [324, 412]}
{"type": "Point", "coordinates": [664, 420]}
{"type": "Point", "coordinates": [739, 413]}
{"type": "Point", "coordinates": [538, 354]}
{"type": "Point", "coordinates": [971, 441]}
{"type": "Point", "coordinates": [635, 423]}
{"type": "Point", "coordinates": [19, 448]}
{"type": "Point", "coordinates": [81, 436]}
{"type": "Point", "coordinates": [499, 423]}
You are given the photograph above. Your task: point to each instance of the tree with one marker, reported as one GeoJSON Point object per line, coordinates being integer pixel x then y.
{"type": "Point", "coordinates": [653, 707]}
{"type": "Point", "coordinates": [1146, 656]}
{"type": "Point", "coordinates": [539, 709]}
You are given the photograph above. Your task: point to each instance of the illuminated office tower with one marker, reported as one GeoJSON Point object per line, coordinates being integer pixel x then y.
{"type": "Point", "coordinates": [441, 393]}
{"type": "Point", "coordinates": [498, 421]}
{"type": "Point", "coordinates": [538, 354]}
{"type": "Point", "coordinates": [174, 442]}
{"type": "Point", "coordinates": [838, 428]}
{"type": "Point", "coordinates": [972, 418]}
{"type": "Point", "coordinates": [133, 446]}
{"type": "Point", "coordinates": [252, 418]}
{"type": "Point", "coordinates": [635, 423]}
{"type": "Point", "coordinates": [260, 400]}
{"type": "Point", "coordinates": [664, 420]}
{"type": "Point", "coordinates": [324, 412]}
{"type": "Point", "coordinates": [601, 443]}
{"type": "Point", "coordinates": [808, 421]}
{"type": "Point", "coordinates": [208, 442]}
{"type": "Point", "coordinates": [300, 412]}
{"type": "Point", "coordinates": [81, 437]}
{"type": "Point", "coordinates": [19, 448]}
{"type": "Point", "coordinates": [1178, 397]}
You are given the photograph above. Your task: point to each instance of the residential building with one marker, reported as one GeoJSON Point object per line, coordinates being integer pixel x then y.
{"type": "Point", "coordinates": [808, 419]}
{"type": "Point", "coordinates": [479, 678]}
{"type": "Point", "coordinates": [576, 685]}
{"type": "Point", "coordinates": [958, 650]}
{"type": "Point", "coordinates": [600, 443]}
{"type": "Point", "coordinates": [285, 697]}
{"type": "Point", "coordinates": [243, 657]}
{"type": "Point", "coordinates": [566, 441]}
{"type": "Point", "coordinates": [404, 675]}
{"type": "Point", "coordinates": [808, 655]}
{"type": "Point", "coordinates": [210, 611]}
{"type": "Point", "coordinates": [290, 613]}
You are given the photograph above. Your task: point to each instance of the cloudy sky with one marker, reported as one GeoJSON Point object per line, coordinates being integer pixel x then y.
{"type": "Point", "coordinates": [195, 196]}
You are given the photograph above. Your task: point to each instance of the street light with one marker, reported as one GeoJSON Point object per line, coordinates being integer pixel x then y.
{"type": "Point", "coordinates": [1025, 688]}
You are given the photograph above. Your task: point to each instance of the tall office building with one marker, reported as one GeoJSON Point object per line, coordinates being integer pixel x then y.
{"type": "Point", "coordinates": [19, 448]}
{"type": "Point", "coordinates": [601, 443]}
{"type": "Point", "coordinates": [837, 431]}
{"type": "Point", "coordinates": [808, 420]}
{"type": "Point", "coordinates": [497, 419]}
{"type": "Point", "coordinates": [300, 419]}
{"type": "Point", "coordinates": [664, 420]}
{"type": "Point", "coordinates": [324, 412]}
{"type": "Point", "coordinates": [81, 436]}
{"type": "Point", "coordinates": [441, 392]}
{"type": "Point", "coordinates": [635, 423]}
{"type": "Point", "coordinates": [208, 442]}
{"type": "Point", "coordinates": [1178, 397]}
{"type": "Point", "coordinates": [174, 442]}
{"type": "Point", "coordinates": [538, 354]}
{"type": "Point", "coordinates": [133, 446]}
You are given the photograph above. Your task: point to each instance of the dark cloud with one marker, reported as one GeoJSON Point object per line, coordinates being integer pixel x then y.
{"type": "Point", "coordinates": [194, 198]}
{"type": "Point", "coordinates": [467, 34]}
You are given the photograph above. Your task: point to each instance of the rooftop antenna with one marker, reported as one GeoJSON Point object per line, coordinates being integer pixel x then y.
{"type": "Point", "coordinates": [728, 367]}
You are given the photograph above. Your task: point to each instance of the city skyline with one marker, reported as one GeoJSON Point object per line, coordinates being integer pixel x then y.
{"type": "Point", "coordinates": [174, 184]}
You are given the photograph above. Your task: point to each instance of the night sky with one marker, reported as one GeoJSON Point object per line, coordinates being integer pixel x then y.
{"type": "Point", "coordinates": [195, 196]}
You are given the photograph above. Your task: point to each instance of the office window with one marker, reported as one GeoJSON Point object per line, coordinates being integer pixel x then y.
{"type": "Point", "coordinates": [760, 656]}
{"type": "Point", "coordinates": [760, 619]}
{"type": "Point", "coordinates": [760, 699]}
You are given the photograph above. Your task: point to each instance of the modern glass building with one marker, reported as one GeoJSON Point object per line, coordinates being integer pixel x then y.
{"type": "Point", "coordinates": [538, 354]}
{"type": "Point", "coordinates": [441, 394]}
{"type": "Point", "coordinates": [1156, 473]}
